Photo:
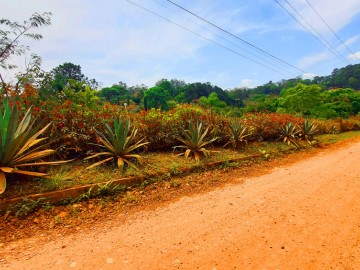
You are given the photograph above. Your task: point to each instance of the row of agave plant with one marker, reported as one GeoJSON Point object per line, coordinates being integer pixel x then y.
{"type": "Point", "coordinates": [21, 147]}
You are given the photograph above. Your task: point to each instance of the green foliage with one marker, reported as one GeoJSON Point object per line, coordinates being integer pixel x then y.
{"type": "Point", "coordinates": [115, 94]}
{"type": "Point", "coordinates": [168, 87]}
{"type": "Point", "coordinates": [119, 144]}
{"type": "Point", "coordinates": [109, 188]}
{"type": "Point", "coordinates": [194, 140]}
{"type": "Point", "coordinates": [10, 44]}
{"type": "Point", "coordinates": [28, 206]}
{"type": "Point", "coordinates": [83, 96]}
{"type": "Point", "coordinates": [10, 35]}
{"type": "Point", "coordinates": [308, 131]}
{"type": "Point", "coordinates": [237, 133]}
{"type": "Point", "coordinates": [301, 99]}
{"type": "Point", "coordinates": [348, 76]}
{"type": "Point", "coordinates": [19, 144]}
{"type": "Point", "coordinates": [181, 98]}
{"type": "Point", "coordinates": [289, 133]}
{"type": "Point", "coordinates": [65, 72]}
{"type": "Point", "coordinates": [212, 101]}
{"type": "Point", "coordinates": [261, 103]}
{"type": "Point", "coordinates": [194, 91]}
{"type": "Point", "coordinates": [155, 97]}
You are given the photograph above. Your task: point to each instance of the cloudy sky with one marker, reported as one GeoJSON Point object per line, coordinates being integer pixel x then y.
{"type": "Point", "coordinates": [115, 40]}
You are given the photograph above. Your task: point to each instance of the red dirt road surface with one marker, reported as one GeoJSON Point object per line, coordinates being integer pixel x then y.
{"type": "Point", "coordinates": [302, 216]}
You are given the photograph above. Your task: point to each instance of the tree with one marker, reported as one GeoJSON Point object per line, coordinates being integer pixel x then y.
{"type": "Point", "coordinates": [10, 41]}
{"type": "Point", "coordinates": [155, 97]}
{"type": "Point", "coordinates": [301, 98]}
{"type": "Point", "coordinates": [342, 102]}
{"type": "Point", "coordinates": [64, 72]}
{"type": "Point", "coordinates": [167, 86]}
{"type": "Point", "coordinates": [115, 94]}
{"type": "Point", "coordinates": [177, 83]}
{"type": "Point", "coordinates": [62, 75]}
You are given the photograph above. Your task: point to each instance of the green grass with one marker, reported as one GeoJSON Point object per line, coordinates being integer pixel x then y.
{"type": "Point", "coordinates": [334, 138]}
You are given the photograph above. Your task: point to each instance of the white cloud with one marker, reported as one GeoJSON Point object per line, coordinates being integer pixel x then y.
{"type": "Point", "coordinates": [308, 76]}
{"type": "Point", "coordinates": [336, 14]}
{"type": "Point", "coordinates": [311, 60]}
{"type": "Point", "coordinates": [248, 83]}
{"type": "Point", "coordinates": [355, 56]}
{"type": "Point", "coordinates": [114, 40]}
{"type": "Point", "coordinates": [351, 40]}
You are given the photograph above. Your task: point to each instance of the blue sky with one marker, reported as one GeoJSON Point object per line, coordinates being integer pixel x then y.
{"type": "Point", "coordinates": [114, 40]}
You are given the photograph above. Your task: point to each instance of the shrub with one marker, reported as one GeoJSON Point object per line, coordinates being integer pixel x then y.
{"type": "Point", "coordinates": [119, 144]}
{"type": "Point", "coordinates": [237, 134]}
{"type": "Point", "coordinates": [194, 140]}
{"type": "Point", "coordinates": [266, 126]}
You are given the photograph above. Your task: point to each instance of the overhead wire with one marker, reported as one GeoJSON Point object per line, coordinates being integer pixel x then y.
{"type": "Point", "coordinates": [227, 40]}
{"type": "Point", "coordinates": [319, 37]}
{"type": "Point", "coordinates": [208, 39]}
{"type": "Point", "coordinates": [329, 27]}
{"type": "Point", "coordinates": [238, 38]}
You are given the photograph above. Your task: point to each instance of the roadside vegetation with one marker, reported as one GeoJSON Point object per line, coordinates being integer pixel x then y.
{"type": "Point", "coordinates": [106, 133]}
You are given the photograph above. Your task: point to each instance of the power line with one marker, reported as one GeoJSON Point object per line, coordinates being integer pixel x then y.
{"type": "Point", "coordinates": [210, 40]}
{"type": "Point", "coordinates": [223, 38]}
{"type": "Point", "coordinates": [319, 37]}
{"type": "Point", "coordinates": [244, 41]}
{"type": "Point", "coordinates": [328, 26]}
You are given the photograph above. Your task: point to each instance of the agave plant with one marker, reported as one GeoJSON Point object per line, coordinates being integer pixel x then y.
{"type": "Point", "coordinates": [308, 131]}
{"type": "Point", "coordinates": [333, 130]}
{"type": "Point", "coordinates": [288, 134]}
{"type": "Point", "coordinates": [237, 133]}
{"type": "Point", "coordinates": [119, 144]}
{"type": "Point", "coordinates": [194, 140]}
{"type": "Point", "coordinates": [20, 146]}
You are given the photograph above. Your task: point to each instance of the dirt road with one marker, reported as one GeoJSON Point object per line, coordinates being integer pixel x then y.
{"type": "Point", "coordinates": [302, 216]}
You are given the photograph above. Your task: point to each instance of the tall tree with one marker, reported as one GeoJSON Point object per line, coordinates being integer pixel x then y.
{"type": "Point", "coordinates": [115, 94]}
{"type": "Point", "coordinates": [10, 34]}
{"type": "Point", "coordinates": [63, 73]}
{"type": "Point", "coordinates": [301, 98]}
{"type": "Point", "coordinates": [155, 97]}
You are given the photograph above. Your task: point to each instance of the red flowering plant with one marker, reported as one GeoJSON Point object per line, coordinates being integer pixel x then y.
{"type": "Point", "coordinates": [162, 128]}
{"type": "Point", "coordinates": [266, 126]}
{"type": "Point", "coordinates": [74, 124]}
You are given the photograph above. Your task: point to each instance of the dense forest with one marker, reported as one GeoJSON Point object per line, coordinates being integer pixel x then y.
{"type": "Point", "coordinates": [335, 95]}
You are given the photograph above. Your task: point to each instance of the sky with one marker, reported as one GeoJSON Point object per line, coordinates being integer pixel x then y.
{"type": "Point", "coordinates": [116, 40]}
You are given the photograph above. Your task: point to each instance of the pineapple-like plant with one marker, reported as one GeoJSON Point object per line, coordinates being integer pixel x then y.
{"type": "Point", "coordinates": [237, 134]}
{"type": "Point", "coordinates": [308, 131]}
{"type": "Point", "coordinates": [289, 133]}
{"type": "Point", "coordinates": [119, 144]}
{"type": "Point", "coordinates": [20, 145]}
{"type": "Point", "coordinates": [194, 141]}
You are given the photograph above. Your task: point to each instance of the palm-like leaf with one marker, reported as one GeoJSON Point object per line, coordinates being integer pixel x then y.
{"type": "Point", "coordinates": [308, 130]}
{"type": "Point", "coordinates": [119, 144]}
{"type": "Point", "coordinates": [288, 134]}
{"type": "Point", "coordinates": [20, 145]}
{"type": "Point", "coordinates": [194, 140]}
{"type": "Point", "coordinates": [237, 134]}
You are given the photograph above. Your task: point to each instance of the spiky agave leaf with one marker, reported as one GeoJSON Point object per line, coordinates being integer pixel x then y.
{"type": "Point", "coordinates": [17, 141]}
{"type": "Point", "coordinates": [288, 133]}
{"type": "Point", "coordinates": [119, 144]}
{"type": "Point", "coordinates": [309, 130]}
{"type": "Point", "coordinates": [237, 134]}
{"type": "Point", "coordinates": [194, 140]}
